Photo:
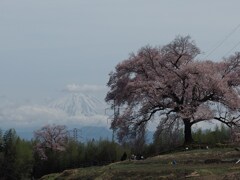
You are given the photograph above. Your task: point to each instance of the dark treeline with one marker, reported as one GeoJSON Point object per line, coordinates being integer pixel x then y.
{"type": "Point", "coordinates": [93, 153]}
{"type": "Point", "coordinates": [171, 139]}
{"type": "Point", "coordinates": [16, 156]}
{"type": "Point", "coordinates": [20, 160]}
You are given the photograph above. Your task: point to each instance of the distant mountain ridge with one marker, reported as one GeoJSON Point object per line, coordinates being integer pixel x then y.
{"type": "Point", "coordinates": [78, 104]}
{"type": "Point", "coordinates": [88, 133]}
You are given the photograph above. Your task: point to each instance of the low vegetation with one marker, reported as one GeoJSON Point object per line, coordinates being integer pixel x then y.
{"type": "Point", "coordinates": [192, 164]}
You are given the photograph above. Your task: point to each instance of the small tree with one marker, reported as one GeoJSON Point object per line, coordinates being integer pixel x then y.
{"type": "Point", "coordinates": [50, 139]}
{"type": "Point", "coordinates": [50, 142]}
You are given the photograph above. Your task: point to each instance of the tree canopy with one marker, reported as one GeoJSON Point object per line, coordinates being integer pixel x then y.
{"type": "Point", "coordinates": [50, 138]}
{"type": "Point", "coordinates": [169, 84]}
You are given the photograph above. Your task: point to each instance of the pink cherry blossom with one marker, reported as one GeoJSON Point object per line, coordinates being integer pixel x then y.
{"type": "Point", "coordinates": [157, 82]}
{"type": "Point", "coordinates": [53, 138]}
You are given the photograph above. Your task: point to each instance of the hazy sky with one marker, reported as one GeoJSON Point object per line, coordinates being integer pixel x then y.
{"type": "Point", "coordinates": [47, 46]}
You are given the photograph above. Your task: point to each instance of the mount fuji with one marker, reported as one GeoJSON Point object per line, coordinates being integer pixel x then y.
{"type": "Point", "coordinates": [78, 104]}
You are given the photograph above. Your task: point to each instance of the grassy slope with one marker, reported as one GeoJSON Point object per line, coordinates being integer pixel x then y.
{"type": "Point", "coordinates": [195, 164]}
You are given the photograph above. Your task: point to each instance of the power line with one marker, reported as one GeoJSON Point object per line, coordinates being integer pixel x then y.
{"type": "Point", "coordinates": [237, 44]}
{"type": "Point", "coordinates": [222, 42]}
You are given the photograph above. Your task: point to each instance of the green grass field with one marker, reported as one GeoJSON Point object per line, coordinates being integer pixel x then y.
{"type": "Point", "coordinates": [208, 164]}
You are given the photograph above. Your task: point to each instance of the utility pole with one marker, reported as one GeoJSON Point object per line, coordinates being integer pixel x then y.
{"type": "Point", "coordinates": [115, 116]}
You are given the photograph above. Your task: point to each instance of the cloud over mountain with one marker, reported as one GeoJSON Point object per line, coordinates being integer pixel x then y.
{"type": "Point", "coordinates": [86, 88]}
{"type": "Point", "coordinates": [71, 110]}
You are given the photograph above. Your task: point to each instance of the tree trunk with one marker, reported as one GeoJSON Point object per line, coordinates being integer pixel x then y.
{"type": "Point", "coordinates": [187, 131]}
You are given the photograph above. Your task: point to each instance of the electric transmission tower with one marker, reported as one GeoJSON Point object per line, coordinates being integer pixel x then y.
{"type": "Point", "coordinates": [76, 134]}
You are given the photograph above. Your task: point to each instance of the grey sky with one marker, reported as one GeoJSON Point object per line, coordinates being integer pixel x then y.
{"type": "Point", "coordinates": [46, 45]}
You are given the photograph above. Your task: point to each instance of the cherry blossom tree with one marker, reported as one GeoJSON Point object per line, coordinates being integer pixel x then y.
{"type": "Point", "coordinates": [50, 139]}
{"type": "Point", "coordinates": [168, 84]}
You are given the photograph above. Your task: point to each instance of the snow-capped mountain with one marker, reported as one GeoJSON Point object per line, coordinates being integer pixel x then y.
{"type": "Point", "coordinates": [78, 104]}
